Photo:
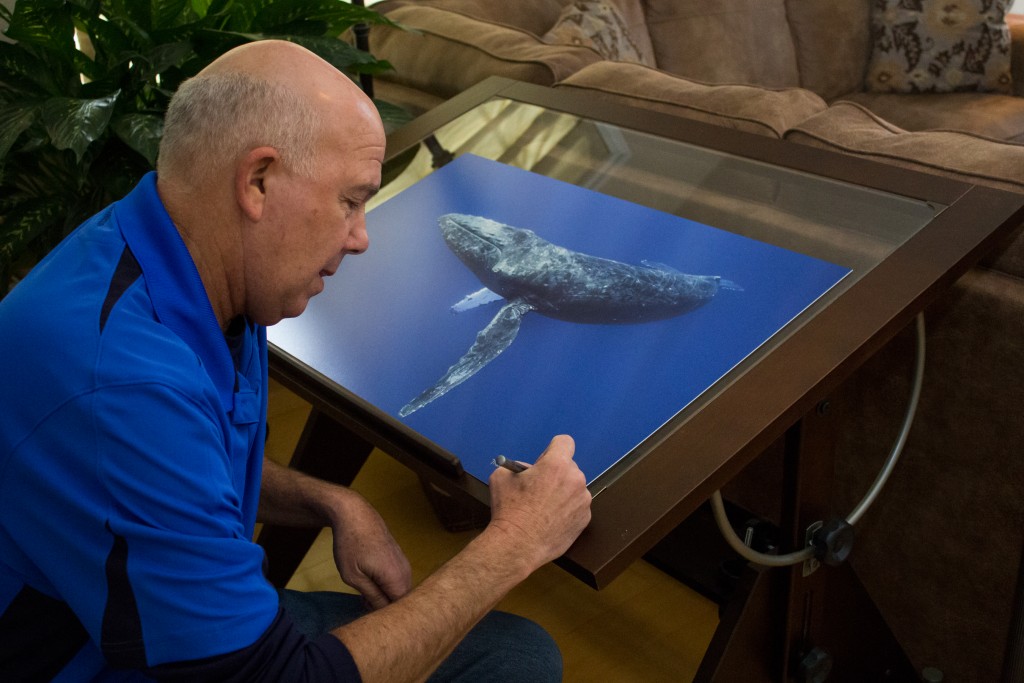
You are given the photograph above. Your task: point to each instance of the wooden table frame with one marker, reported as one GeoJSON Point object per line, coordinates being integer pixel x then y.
{"type": "Point", "coordinates": [775, 399]}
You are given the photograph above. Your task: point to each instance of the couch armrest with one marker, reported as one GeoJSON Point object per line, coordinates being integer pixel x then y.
{"type": "Point", "coordinates": [447, 52]}
{"type": "Point", "coordinates": [1016, 24]}
{"type": "Point", "coordinates": [852, 129]}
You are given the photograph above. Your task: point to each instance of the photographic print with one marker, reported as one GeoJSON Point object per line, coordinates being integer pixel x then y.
{"type": "Point", "coordinates": [496, 307]}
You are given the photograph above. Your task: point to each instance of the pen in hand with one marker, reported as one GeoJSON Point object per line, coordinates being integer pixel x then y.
{"type": "Point", "coordinates": [502, 461]}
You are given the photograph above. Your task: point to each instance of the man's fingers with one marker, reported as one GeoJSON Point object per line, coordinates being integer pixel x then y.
{"type": "Point", "coordinates": [373, 596]}
{"type": "Point", "coordinates": [562, 444]}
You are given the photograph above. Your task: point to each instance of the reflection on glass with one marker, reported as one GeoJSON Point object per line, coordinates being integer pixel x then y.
{"type": "Point", "coordinates": [831, 220]}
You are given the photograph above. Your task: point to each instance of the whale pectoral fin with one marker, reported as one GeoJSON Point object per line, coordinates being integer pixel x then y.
{"type": "Point", "coordinates": [478, 298]}
{"type": "Point", "coordinates": [490, 342]}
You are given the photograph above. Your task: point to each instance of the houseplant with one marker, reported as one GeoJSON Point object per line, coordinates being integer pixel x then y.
{"type": "Point", "coordinates": [84, 87]}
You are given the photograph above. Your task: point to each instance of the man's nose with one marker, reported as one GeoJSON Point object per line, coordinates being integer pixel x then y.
{"type": "Point", "coordinates": [359, 239]}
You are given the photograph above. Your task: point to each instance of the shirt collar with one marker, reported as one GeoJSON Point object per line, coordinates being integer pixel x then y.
{"type": "Point", "coordinates": [177, 292]}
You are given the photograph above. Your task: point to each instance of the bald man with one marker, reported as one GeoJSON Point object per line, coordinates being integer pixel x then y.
{"type": "Point", "coordinates": [134, 412]}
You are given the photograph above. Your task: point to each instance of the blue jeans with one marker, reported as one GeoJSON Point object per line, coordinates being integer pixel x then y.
{"type": "Point", "coordinates": [502, 647]}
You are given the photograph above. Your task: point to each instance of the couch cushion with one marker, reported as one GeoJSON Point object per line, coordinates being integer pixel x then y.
{"type": "Point", "coordinates": [412, 100]}
{"type": "Point", "coordinates": [986, 114]}
{"type": "Point", "coordinates": [604, 27]}
{"type": "Point", "coordinates": [449, 52]}
{"type": "Point", "coordinates": [848, 127]}
{"type": "Point", "coordinates": [724, 41]}
{"type": "Point", "coordinates": [833, 43]}
{"type": "Point", "coordinates": [533, 16]}
{"type": "Point", "coordinates": [758, 110]}
{"type": "Point", "coordinates": [947, 46]}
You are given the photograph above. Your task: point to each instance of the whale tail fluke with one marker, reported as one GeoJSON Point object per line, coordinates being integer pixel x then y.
{"type": "Point", "coordinates": [490, 342]}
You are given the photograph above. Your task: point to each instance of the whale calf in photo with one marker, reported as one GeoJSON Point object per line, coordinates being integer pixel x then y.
{"type": "Point", "coordinates": [532, 274]}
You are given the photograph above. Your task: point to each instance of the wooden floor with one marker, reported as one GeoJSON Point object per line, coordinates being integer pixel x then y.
{"type": "Point", "coordinates": [644, 627]}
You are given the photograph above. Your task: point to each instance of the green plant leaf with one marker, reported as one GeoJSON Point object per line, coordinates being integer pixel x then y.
{"type": "Point", "coordinates": [163, 57]}
{"type": "Point", "coordinates": [200, 7]}
{"type": "Point", "coordinates": [21, 72]}
{"type": "Point", "coordinates": [74, 123]}
{"type": "Point", "coordinates": [166, 13]}
{"type": "Point", "coordinates": [392, 115]}
{"type": "Point", "coordinates": [46, 23]}
{"type": "Point", "coordinates": [24, 224]}
{"type": "Point", "coordinates": [337, 16]}
{"type": "Point", "coordinates": [141, 132]}
{"type": "Point", "coordinates": [132, 19]}
{"type": "Point", "coordinates": [108, 40]}
{"type": "Point", "coordinates": [14, 120]}
{"type": "Point", "coordinates": [340, 54]}
{"type": "Point", "coordinates": [148, 15]}
{"type": "Point", "coordinates": [69, 148]}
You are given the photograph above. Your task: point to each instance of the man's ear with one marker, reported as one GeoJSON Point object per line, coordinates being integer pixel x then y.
{"type": "Point", "coordinates": [252, 174]}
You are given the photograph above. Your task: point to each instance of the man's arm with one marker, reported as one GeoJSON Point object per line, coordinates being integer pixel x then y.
{"type": "Point", "coordinates": [367, 556]}
{"type": "Point", "coordinates": [535, 517]}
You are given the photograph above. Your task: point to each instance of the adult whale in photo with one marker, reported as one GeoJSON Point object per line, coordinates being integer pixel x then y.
{"type": "Point", "coordinates": [532, 274]}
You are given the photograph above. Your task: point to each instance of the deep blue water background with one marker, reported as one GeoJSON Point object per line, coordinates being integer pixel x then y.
{"type": "Point", "coordinates": [383, 327]}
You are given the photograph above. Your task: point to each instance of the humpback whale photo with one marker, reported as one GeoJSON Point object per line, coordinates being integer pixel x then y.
{"type": "Point", "coordinates": [529, 273]}
{"type": "Point", "coordinates": [615, 338]}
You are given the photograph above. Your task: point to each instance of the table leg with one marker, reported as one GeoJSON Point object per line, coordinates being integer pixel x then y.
{"type": "Point", "coordinates": [325, 450]}
{"type": "Point", "coordinates": [782, 625]}
{"type": "Point", "coordinates": [808, 469]}
{"type": "Point", "coordinates": [832, 628]}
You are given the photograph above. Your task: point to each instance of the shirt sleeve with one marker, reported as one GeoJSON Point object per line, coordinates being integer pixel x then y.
{"type": "Point", "coordinates": [282, 653]}
{"type": "Point", "coordinates": [183, 579]}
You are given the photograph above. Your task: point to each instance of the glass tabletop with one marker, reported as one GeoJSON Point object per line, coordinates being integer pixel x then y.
{"type": "Point", "coordinates": [836, 223]}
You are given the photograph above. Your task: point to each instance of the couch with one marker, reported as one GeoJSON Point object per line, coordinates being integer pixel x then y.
{"type": "Point", "coordinates": [940, 550]}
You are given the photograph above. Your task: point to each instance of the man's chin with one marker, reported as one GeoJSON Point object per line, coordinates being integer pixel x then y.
{"type": "Point", "coordinates": [292, 311]}
{"type": "Point", "coordinates": [296, 310]}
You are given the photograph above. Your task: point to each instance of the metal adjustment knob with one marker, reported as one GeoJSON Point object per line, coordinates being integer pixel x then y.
{"type": "Point", "coordinates": [815, 666]}
{"type": "Point", "coordinates": [833, 542]}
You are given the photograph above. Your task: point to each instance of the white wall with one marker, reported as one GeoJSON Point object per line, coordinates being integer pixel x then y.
{"type": "Point", "coordinates": [1017, 6]}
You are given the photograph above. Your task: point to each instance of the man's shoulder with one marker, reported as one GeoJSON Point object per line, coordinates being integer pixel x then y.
{"type": "Point", "coordinates": [86, 321]}
{"type": "Point", "coordinates": [135, 346]}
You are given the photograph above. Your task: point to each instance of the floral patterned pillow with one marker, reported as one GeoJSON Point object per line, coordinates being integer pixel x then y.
{"type": "Point", "coordinates": [939, 46]}
{"type": "Point", "coordinates": [601, 26]}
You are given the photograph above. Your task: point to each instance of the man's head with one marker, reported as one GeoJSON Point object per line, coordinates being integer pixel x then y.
{"type": "Point", "coordinates": [268, 158]}
{"type": "Point", "coordinates": [215, 118]}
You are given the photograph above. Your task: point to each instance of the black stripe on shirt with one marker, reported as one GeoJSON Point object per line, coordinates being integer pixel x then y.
{"type": "Point", "coordinates": [282, 653]}
{"type": "Point", "coordinates": [121, 636]}
{"type": "Point", "coordinates": [127, 272]}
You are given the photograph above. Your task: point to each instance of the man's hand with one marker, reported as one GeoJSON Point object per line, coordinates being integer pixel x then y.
{"type": "Point", "coordinates": [546, 507]}
{"type": "Point", "coordinates": [367, 556]}
{"type": "Point", "coordinates": [535, 517]}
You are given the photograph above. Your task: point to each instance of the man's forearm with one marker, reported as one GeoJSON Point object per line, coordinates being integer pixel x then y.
{"type": "Point", "coordinates": [291, 498]}
{"type": "Point", "coordinates": [408, 639]}
{"type": "Point", "coordinates": [535, 516]}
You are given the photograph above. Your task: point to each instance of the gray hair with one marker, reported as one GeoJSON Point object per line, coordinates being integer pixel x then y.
{"type": "Point", "coordinates": [218, 117]}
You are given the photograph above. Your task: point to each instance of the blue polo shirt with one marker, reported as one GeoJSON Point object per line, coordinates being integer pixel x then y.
{"type": "Point", "coordinates": [131, 447]}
